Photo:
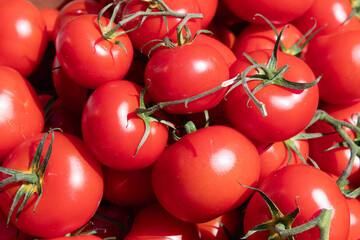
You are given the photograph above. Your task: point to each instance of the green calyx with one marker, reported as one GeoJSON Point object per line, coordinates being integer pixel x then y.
{"type": "Point", "coordinates": [280, 226]}
{"type": "Point", "coordinates": [356, 10]}
{"type": "Point", "coordinates": [31, 179]}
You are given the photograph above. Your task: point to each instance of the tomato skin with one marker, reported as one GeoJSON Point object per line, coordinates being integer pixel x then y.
{"type": "Point", "coordinates": [339, 65]}
{"type": "Point", "coordinates": [89, 59]}
{"type": "Point", "coordinates": [334, 161]}
{"type": "Point", "coordinates": [21, 113]}
{"type": "Point", "coordinates": [196, 178]}
{"type": "Point", "coordinates": [208, 10]}
{"type": "Point", "coordinates": [80, 237]}
{"type": "Point", "coordinates": [354, 208]}
{"type": "Point", "coordinates": [113, 131]}
{"type": "Point", "coordinates": [312, 189]}
{"type": "Point", "coordinates": [73, 180]}
{"type": "Point", "coordinates": [202, 68]}
{"type": "Point", "coordinates": [153, 222]}
{"type": "Point", "coordinates": [50, 15]}
{"type": "Point", "coordinates": [23, 36]}
{"type": "Point", "coordinates": [296, 106]}
{"type": "Point", "coordinates": [278, 12]}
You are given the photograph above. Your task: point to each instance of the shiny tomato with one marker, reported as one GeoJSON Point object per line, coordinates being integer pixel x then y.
{"type": "Point", "coordinates": [21, 113]}
{"type": "Point", "coordinates": [296, 106]}
{"type": "Point", "coordinates": [208, 10]}
{"type": "Point", "coordinates": [23, 36]}
{"type": "Point", "coordinates": [354, 207]}
{"type": "Point", "coordinates": [202, 68]}
{"type": "Point", "coordinates": [278, 12]}
{"type": "Point", "coordinates": [89, 59]}
{"type": "Point", "coordinates": [153, 222]}
{"type": "Point", "coordinates": [338, 63]}
{"type": "Point", "coordinates": [312, 190]}
{"type": "Point", "coordinates": [80, 237]}
{"type": "Point", "coordinates": [196, 178]}
{"type": "Point", "coordinates": [113, 131]}
{"type": "Point", "coordinates": [50, 15]}
{"type": "Point", "coordinates": [72, 181]}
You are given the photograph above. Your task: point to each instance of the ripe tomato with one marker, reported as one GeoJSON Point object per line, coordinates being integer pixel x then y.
{"type": "Point", "coordinates": [335, 160]}
{"type": "Point", "coordinates": [154, 27]}
{"type": "Point", "coordinates": [196, 178]}
{"type": "Point", "coordinates": [278, 12]}
{"type": "Point", "coordinates": [23, 36]}
{"type": "Point", "coordinates": [21, 113]}
{"type": "Point", "coordinates": [113, 131]}
{"type": "Point", "coordinates": [50, 15]}
{"type": "Point", "coordinates": [339, 65]}
{"type": "Point", "coordinates": [354, 207]}
{"type": "Point", "coordinates": [202, 68]}
{"type": "Point", "coordinates": [312, 189]}
{"type": "Point", "coordinates": [72, 181]}
{"type": "Point", "coordinates": [208, 10]}
{"type": "Point", "coordinates": [153, 222]}
{"type": "Point", "coordinates": [296, 106]}
{"type": "Point", "coordinates": [80, 237]}
{"type": "Point", "coordinates": [89, 59]}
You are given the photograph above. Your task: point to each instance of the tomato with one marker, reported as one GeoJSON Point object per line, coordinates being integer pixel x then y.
{"type": "Point", "coordinates": [89, 59]}
{"type": "Point", "coordinates": [261, 36]}
{"type": "Point", "coordinates": [21, 113]}
{"type": "Point", "coordinates": [354, 207]}
{"type": "Point", "coordinates": [23, 36]}
{"type": "Point", "coordinates": [72, 181]}
{"type": "Point", "coordinates": [202, 68]}
{"type": "Point", "coordinates": [296, 106]}
{"type": "Point", "coordinates": [223, 33]}
{"type": "Point", "coordinates": [50, 15]}
{"type": "Point", "coordinates": [8, 231]}
{"type": "Point", "coordinates": [196, 178]}
{"type": "Point", "coordinates": [113, 131]}
{"type": "Point", "coordinates": [154, 27]}
{"type": "Point", "coordinates": [339, 65]}
{"type": "Point", "coordinates": [278, 12]}
{"type": "Point", "coordinates": [208, 10]}
{"type": "Point", "coordinates": [80, 237]}
{"type": "Point", "coordinates": [153, 222]}
{"type": "Point", "coordinates": [312, 190]}
{"type": "Point", "coordinates": [330, 14]}
{"type": "Point", "coordinates": [334, 161]}
{"type": "Point", "coordinates": [128, 188]}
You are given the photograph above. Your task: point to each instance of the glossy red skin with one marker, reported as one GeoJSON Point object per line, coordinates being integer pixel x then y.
{"type": "Point", "coordinates": [113, 131]}
{"type": "Point", "coordinates": [339, 65]}
{"type": "Point", "coordinates": [213, 230]}
{"type": "Point", "coordinates": [21, 113]}
{"type": "Point", "coordinates": [223, 49]}
{"type": "Point", "coordinates": [73, 180]}
{"type": "Point", "coordinates": [74, 9]}
{"type": "Point", "coordinates": [72, 94]}
{"type": "Point", "coordinates": [354, 208]}
{"type": "Point", "coordinates": [23, 36]}
{"type": "Point", "coordinates": [312, 189]}
{"type": "Point", "coordinates": [278, 12]}
{"type": "Point", "coordinates": [80, 237]}
{"type": "Point", "coordinates": [154, 27]}
{"type": "Point", "coordinates": [8, 231]}
{"type": "Point", "coordinates": [128, 188]}
{"type": "Point", "coordinates": [50, 15]}
{"type": "Point", "coordinates": [334, 161]}
{"type": "Point", "coordinates": [223, 33]}
{"type": "Point", "coordinates": [89, 59]}
{"type": "Point", "coordinates": [296, 106]}
{"type": "Point", "coordinates": [261, 36]}
{"type": "Point", "coordinates": [186, 71]}
{"type": "Point", "coordinates": [332, 13]}
{"type": "Point", "coordinates": [196, 178]}
{"type": "Point", "coordinates": [276, 155]}
{"type": "Point", "coordinates": [153, 222]}
{"type": "Point", "coordinates": [208, 10]}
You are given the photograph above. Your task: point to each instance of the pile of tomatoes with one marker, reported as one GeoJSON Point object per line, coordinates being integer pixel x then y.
{"type": "Point", "coordinates": [191, 119]}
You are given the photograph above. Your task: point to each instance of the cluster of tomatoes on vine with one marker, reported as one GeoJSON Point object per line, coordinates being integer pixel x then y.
{"type": "Point", "coordinates": [191, 119]}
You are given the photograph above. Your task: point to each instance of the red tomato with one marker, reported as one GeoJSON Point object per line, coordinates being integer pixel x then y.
{"type": "Point", "coordinates": [339, 64]}
{"type": "Point", "coordinates": [80, 237]}
{"type": "Point", "coordinates": [23, 36]}
{"type": "Point", "coordinates": [113, 131]}
{"type": "Point", "coordinates": [196, 178]}
{"type": "Point", "coordinates": [208, 10]}
{"type": "Point", "coordinates": [312, 189]}
{"type": "Point", "coordinates": [278, 12]}
{"type": "Point", "coordinates": [87, 57]}
{"type": "Point", "coordinates": [128, 188]}
{"type": "Point", "coordinates": [50, 15]}
{"type": "Point", "coordinates": [8, 231]}
{"type": "Point", "coordinates": [334, 161]}
{"type": "Point", "coordinates": [72, 187]}
{"type": "Point", "coordinates": [354, 207]}
{"type": "Point", "coordinates": [329, 13]}
{"type": "Point", "coordinates": [21, 113]}
{"type": "Point", "coordinates": [183, 72]}
{"type": "Point", "coordinates": [223, 33]}
{"type": "Point", "coordinates": [296, 106]}
{"type": "Point", "coordinates": [261, 36]}
{"type": "Point", "coordinates": [153, 222]}
{"type": "Point", "coordinates": [154, 27]}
